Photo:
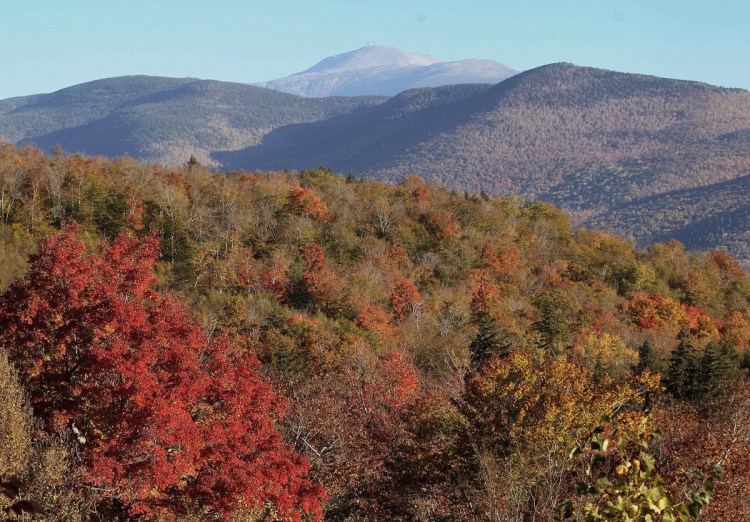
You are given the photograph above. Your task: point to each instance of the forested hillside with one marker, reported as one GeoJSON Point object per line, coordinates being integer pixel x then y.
{"type": "Point", "coordinates": [638, 155]}
{"type": "Point", "coordinates": [559, 131]}
{"type": "Point", "coordinates": [715, 215]}
{"type": "Point", "coordinates": [160, 119]}
{"type": "Point", "coordinates": [281, 346]}
{"type": "Point", "coordinates": [595, 142]}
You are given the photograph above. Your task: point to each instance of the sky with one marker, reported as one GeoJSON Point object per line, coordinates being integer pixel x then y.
{"type": "Point", "coordinates": [46, 45]}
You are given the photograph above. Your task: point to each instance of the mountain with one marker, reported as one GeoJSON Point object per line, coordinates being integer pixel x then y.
{"type": "Point", "coordinates": [613, 149]}
{"type": "Point", "coordinates": [10, 104]}
{"type": "Point", "coordinates": [711, 216]}
{"type": "Point", "coordinates": [379, 69]}
{"type": "Point", "coordinates": [160, 119]}
{"type": "Point", "coordinates": [648, 157]}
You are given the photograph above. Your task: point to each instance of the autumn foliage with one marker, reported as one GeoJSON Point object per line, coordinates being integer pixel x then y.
{"type": "Point", "coordinates": [161, 411]}
{"type": "Point", "coordinates": [419, 354]}
{"type": "Point", "coordinates": [306, 203]}
{"type": "Point", "coordinates": [404, 299]}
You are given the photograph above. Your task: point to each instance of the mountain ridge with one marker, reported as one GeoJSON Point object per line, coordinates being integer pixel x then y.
{"type": "Point", "coordinates": [589, 140]}
{"type": "Point", "coordinates": [160, 119]}
{"type": "Point", "coordinates": [372, 55]}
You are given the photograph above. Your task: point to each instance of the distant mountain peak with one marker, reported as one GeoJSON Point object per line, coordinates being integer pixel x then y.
{"type": "Point", "coordinates": [370, 56]}
{"type": "Point", "coordinates": [385, 70]}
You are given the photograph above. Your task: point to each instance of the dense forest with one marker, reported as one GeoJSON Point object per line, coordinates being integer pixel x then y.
{"type": "Point", "coordinates": [178, 344]}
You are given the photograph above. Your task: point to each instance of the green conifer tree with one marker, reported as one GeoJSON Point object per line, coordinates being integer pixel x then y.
{"type": "Point", "coordinates": [648, 359]}
{"type": "Point", "coordinates": [719, 369]}
{"type": "Point", "coordinates": [489, 341]}
{"type": "Point", "coordinates": [556, 315]}
{"type": "Point", "coordinates": [682, 377]}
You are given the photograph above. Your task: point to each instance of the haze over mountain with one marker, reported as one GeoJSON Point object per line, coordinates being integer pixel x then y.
{"type": "Point", "coordinates": [649, 157]}
{"type": "Point", "coordinates": [379, 69]}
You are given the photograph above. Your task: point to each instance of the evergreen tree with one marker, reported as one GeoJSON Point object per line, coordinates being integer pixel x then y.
{"type": "Point", "coordinates": [648, 359]}
{"type": "Point", "coordinates": [556, 312]}
{"type": "Point", "coordinates": [489, 341]}
{"type": "Point", "coordinates": [682, 375]}
{"type": "Point", "coordinates": [733, 360]}
{"type": "Point", "coordinates": [710, 371]}
{"type": "Point", "coordinates": [745, 360]}
{"type": "Point", "coordinates": [719, 368]}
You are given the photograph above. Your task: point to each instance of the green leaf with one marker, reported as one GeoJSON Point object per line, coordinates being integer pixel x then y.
{"type": "Point", "coordinates": [648, 462]}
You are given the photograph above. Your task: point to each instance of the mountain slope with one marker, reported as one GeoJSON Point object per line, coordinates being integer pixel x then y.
{"type": "Point", "coordinates": [649, 157]}
{"type": "Point", "coordinates": [379, 69]}
{"type": "Point", "coordinates": [588, 139]}
{"type": "Point", "coordinates": [553, 131]}
{"type": "Point", "coordinates": [716, 215]}
{"type": "Point", "coordinates": [160, 119]}
{"type": "Point", "coordinates": [79, 104]}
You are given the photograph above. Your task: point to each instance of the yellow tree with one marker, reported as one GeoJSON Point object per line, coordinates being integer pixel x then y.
{"type": "Point", "coordinates": [524, 415]}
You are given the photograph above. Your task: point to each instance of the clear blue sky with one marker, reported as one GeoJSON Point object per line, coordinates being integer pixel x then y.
{"type": "Point", "coordinates": [46, 45]}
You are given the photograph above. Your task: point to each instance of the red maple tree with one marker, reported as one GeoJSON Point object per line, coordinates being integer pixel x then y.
{"type": "Point", "coordinates": [161, 411]}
